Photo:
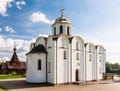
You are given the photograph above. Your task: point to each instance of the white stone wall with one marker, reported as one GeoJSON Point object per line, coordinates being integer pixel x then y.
{"type": "Point", "coordinates": [77, 64]}
{"type": "Point", "coordinates": [90, 62]}
{"type": "Point", "coordinates": [51, 58]}
{"type": "Point", "coordinates": [65, 25]}
{"type": "Point", "coordinates": [101, 54]}
{"type": "Point", "coordinates": [33, 74]}
{"type": "Point", "coordinates": [63, 71]}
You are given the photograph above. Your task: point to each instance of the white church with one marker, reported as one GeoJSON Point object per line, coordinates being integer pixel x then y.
{"type": "Point", "coordinates": [62, 58]}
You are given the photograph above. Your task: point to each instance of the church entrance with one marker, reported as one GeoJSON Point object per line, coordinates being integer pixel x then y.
{"type": "Point", "coordinates": [77, 74]}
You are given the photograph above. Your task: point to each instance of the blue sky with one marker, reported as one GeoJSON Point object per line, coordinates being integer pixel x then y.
{"type": "Point", "coordinates": [22, 21]}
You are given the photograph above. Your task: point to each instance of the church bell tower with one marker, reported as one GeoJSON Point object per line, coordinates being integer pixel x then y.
{"type": "Point", "coordinates": [61, 25]}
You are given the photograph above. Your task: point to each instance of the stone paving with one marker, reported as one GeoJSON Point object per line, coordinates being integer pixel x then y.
{"type": "Point", "coordinates": [21, 85]}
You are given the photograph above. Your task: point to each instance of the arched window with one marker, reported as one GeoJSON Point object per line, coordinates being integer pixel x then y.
{"type": "Point", "coordinates": [39, 64]}
{"type": "Point", "coordinates": [68, 31]}
{"type": "Point", "coordinates": [90, 50]}
{"type": "Point", "coordinates": [65, 55]}
{"type": "Point", "coordinates": [100, 50]}
{"type": "Point", "coordinates": [100, 58]}
{"type": "Point", "coordinates": [77, 74]}
{"type": "Point", "coordinates": [90, 57]}
{"type": "Point", "coordinates": [77, 56]}
{"type": "Point", "coordinates": [61, 29]}
{"type": "Point", "coordinates": [99, 70]}
{"type": "Point", "coordinates": [77, 46]}
{"type": "Point", "coordinates": [54, 30]}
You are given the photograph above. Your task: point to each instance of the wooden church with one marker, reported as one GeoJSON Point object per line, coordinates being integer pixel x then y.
{"type": "Point", "coordinates": [14, 65]}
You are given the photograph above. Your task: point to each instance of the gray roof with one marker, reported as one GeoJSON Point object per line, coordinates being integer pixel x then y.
{"type": "Point", "coordinates": [38, 49]}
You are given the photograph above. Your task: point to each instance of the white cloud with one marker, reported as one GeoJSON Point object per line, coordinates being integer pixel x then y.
{"type": "Point", "coordinates": [4, 59]}
{"type": "Point", "coordinates": [9, 29]}
{"type": "Point", "coordinates": [40, 17]}
{"type": "Point", "coordinates": [43, 35]}
{"type": "Point", "coordinates": [0, 29]}
{"type": "Point", "coordinates": [4, 5]}
{"type": "Point", "coordinates": [7, 44]}
{"type": "Point", "coordinates": [19, 4]}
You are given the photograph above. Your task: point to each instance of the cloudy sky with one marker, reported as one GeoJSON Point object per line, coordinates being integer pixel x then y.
{"type": "Point", "coordinates": [22, 21]}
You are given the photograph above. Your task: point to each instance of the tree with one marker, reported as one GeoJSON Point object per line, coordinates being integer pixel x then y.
{"type": "Point", "coordinates": [108, 67]}
{"type": "Point", "coordinates": [112, 68]}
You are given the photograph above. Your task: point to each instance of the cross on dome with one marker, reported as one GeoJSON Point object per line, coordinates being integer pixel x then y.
{"type": "Point", "coordinates": [62, 11]}
{"type": "Point", "coordinates": [14, 46]}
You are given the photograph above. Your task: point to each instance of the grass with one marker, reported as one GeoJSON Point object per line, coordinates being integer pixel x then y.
{"type": "Point", "coordinates": [2, 89]}
{"type": "Point", "coordinates": [11, 76]}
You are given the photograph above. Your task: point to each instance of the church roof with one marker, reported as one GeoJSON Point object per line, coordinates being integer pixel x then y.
{"type": "Point", "coordinates": [38, 49]}
{"type": "Point", "coordinates": [14, 57]}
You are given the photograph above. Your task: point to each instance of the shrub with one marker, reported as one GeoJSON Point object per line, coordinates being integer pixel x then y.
{"type": "Point", "coordinates": [13, 73]}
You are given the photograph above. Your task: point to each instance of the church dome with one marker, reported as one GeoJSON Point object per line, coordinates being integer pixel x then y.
{"type": "Point", "coordinates": [62, 20]}
{"type": "Point", "coordinates": [61, 25]}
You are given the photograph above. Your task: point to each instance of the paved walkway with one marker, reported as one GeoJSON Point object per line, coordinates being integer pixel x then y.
{"type": "Point", "coordinates": [21, 85]}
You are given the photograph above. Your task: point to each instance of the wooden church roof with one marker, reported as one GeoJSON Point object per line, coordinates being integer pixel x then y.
{"type": "Point", "coordinates": [14, 57]}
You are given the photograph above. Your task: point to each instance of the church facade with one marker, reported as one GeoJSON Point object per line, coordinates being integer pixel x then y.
{"type": "Point", "coordinates": [63, 58]}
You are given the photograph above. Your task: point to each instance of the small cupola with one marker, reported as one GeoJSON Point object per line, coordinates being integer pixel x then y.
{"type": "Point", "coordinates": [61, 25]}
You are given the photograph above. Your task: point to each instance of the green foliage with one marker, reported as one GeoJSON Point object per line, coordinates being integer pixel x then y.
{"type": "Point", "coordinates": [1, 62]}
{"type": "Point", "coordinates": [2, 89]}
{"type": "Point", "coordinates": [112, 68]}
{"type": "Point", "coordinates": [108, 67]}
{"type": "Point", "coordinates": [13, 73]}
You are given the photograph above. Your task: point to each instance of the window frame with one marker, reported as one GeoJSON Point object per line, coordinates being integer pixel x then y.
{"type": "Point", "coordinates": [65, 54]}
{"type": "Point", "coordinates": [77, 56]}
{"type": "Point", "coordinates": [61, 29]}
{"type": "Point", "coordinates": [90, 57]}
{"type": "Point", "coordinates": [39, 64]}
{"type": "Point", "coordinates": [68, 30]}
{"type": "Point", "coordinates": [54, 30]}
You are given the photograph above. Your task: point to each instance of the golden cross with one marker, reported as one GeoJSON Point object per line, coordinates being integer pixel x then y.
{"type": "Point", "coordinates": [62, 11]}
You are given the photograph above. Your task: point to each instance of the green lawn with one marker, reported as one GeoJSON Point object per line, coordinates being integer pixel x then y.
{"type": "Point", "coordinates": [11, 76]}
{"type": "Point", "coordinates": [2, 89]}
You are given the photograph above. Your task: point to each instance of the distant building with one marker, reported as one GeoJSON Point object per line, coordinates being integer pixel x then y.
{"type": "Point", "coordinates": [13, 65]}
{"type": "Point", "coordinates": [63, 58]}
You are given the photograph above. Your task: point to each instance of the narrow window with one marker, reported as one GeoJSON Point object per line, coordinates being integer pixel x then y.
{"type": "Point", "coordinates": [100, 50]}
{"type": "Point", "coordinates": [100, 70]}
{"type": "Point", "coordinates": [100, 58]}
{"type": "Point", "coordinates": [90, 57]}
{"type": "Point", "coordinates": [39, 64]}
{"type": "Point", "coordinates": [77, 56]}
{"type": "Point", "coordinates": [65, 55]}
{"type": "Point", "coordinates": [90, 49]}
{"type": "Point", "coordinates": [77, 46]}
{"type": "Point", "coordinates": [68, 31]}
{"type": "Point", "coordinates": [54, 30]}
{"type": "Point", "coordinates": [61, 29]}
{"type": "Point", "coordinates": [49, 67]}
